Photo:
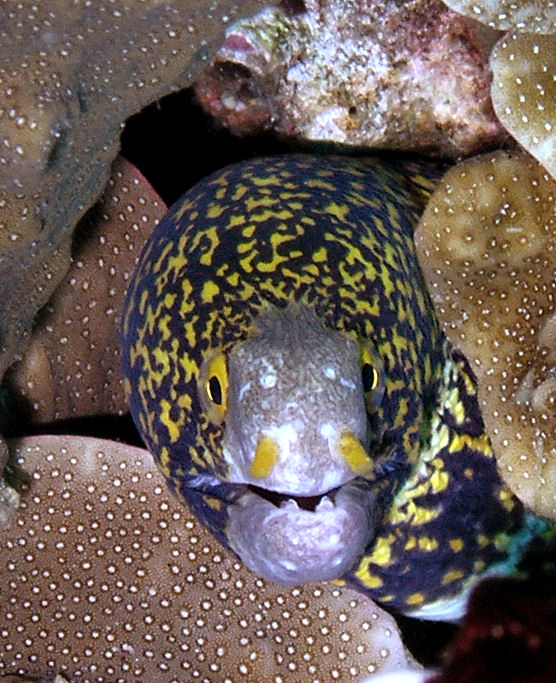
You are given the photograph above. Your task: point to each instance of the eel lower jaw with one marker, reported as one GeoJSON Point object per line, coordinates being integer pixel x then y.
{"type": "Point", "coordinates": [292, 540]}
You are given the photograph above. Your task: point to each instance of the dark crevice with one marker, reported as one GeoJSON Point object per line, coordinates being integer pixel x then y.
{"type": "Point", "coordinates": [111, 427]}
{"type": "Point", "coordinates": [56, 149]}
{"type": "Point", "coordinates": [175, 144]}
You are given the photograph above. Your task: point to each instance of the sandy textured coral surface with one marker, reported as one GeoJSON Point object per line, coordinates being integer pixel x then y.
{"type": "Point", "coordinates": [70, 73]}
{"type": "Point", "coordinates": [393, 75]}
{"type": "Point", "coordinates": [106, 577]}
{"type": "Point", "coordinates": [487, 247]}
{"type": "Point", "coordinates": [71, 367]}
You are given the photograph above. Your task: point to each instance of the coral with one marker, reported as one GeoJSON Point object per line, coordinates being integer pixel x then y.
{"type": "Point", "coordinates": [523, 65]}
{"type": "Point", "coordinates": [71, 367]}
{"type": "Point", "coordinates": [106, 577]}
{"type": "Point", "coordinates": [410, 76]}
{"type": "Point", "coordinates": [400, 676]}
{"type": "Point", "coordinates": [70, 73]}
{"type": "Point", "coordinates": [508, 634]}
{"type": "Point", "coordinates": [487, 246]}
{"type": "Point", "coordinates": [525, 15]}
{"type": "Point", "coordinates": [524, 92]}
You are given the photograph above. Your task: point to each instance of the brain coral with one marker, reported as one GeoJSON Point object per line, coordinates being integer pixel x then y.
{"type": "Point", "coordinates": [487, 246]}
{"type": "Point", "coordinates": [70, 73]}
{"type": "Point", "coordinates": [106, 577]}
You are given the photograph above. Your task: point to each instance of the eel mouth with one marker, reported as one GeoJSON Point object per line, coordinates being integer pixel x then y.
{"type": "Point", "coordinates": [292, 539]}
{"type": "Point", "coordinates": [308, 503]}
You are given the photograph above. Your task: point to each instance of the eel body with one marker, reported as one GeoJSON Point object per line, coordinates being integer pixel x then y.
{"type": "Point", "coordinates": [284, 365]}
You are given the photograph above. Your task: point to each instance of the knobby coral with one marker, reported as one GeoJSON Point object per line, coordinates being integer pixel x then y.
{"type": "Point", "coordinates": [487, 246]}
{"type": "Point", "coordinates": [524, 92]}
{"type": "Point", "coordinates": [70, 73]}
{"type": "Point", "coordinates": [527, 15]}
{"type": "Point", "coordinates": [105, 576]}
{"type": "Point", "coordinates": [523, 63]}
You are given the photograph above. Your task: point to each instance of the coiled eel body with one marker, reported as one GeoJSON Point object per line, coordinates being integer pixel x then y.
{"type": "Point", "coordinates": [285, 367]}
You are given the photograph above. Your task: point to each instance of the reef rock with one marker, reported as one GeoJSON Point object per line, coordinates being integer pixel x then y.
{"type": "Point", "coordinates": [392, 75]}
{"type": "Point", "coordinates": [507, 635]}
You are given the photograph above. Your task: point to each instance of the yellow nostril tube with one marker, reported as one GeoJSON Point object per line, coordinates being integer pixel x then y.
{"type": "Point", "coordinates": [266, 456]}
{"type": "Point", "coordinates": [354, 454]}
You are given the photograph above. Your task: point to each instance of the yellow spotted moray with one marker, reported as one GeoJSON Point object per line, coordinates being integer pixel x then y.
{"type": "Point", "coordinates": [284, 365]}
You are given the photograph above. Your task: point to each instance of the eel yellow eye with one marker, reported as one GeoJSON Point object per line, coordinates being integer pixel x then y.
{"type": "Point", "coordinates": [213, 386]}
{"type": "Point", "coordinates": [372, 375]}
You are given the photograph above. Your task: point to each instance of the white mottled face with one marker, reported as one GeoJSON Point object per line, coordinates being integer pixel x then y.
{"type": "Point", "coordinates": [296, 421]}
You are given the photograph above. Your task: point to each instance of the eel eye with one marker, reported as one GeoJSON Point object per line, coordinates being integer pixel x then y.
{"type": "Point", "coordinates": [213, 386]}
{"type": "Point", "coordinates": [214, 390]}
{"type": "Point", "coordinates": [372, 375]}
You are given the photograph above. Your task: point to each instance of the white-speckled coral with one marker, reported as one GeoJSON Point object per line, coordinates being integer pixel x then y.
{"type": "Point", "coordinates": [105, 577]}
{"type": "Point", "coordinates": [523, 65]}
{"type": "Point", "coordinates": [524, 92]}
{"type": "Point", "coordinates": [70, 73]}
{"type": "Point", "coordinates": [487, 246]}
{"type": "Point", "coordinates": [71, 367]}
{"type": "Point", "coordinates": [392, 75]}
{"type": "Point", "coordinates": [524, 15]}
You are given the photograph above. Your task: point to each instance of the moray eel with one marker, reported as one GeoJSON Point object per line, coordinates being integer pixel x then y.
{"type": "Point", "coordinates": [284, 365]}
